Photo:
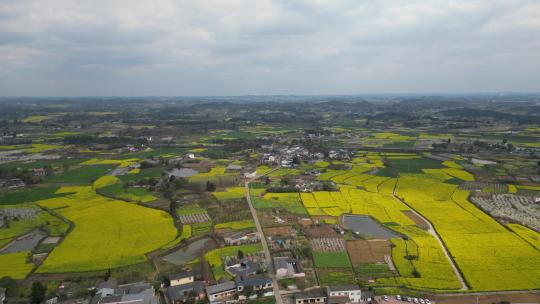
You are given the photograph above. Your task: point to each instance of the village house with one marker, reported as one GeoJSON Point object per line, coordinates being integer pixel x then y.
{"type": "Point", "coordinates": [39, 172]}
{"type": "Point", "coordinates": [233, 167]}
{"type": "Point", "coordinates": [244, 268]}
{"type": "Point", "coordinates": [12, 183]}
{"type": "Point", "coordinates": [240, 237]}
{"type": "Point", "coordinates": [181, 278]}
{"type": "Point", "coordinates": [259, 284]}
{"type": "Point", "coordinates": [286, 267]}
{"type": "Point", "coordinates": [347, 294]}
{"type": "Point", "coordinates": [312, 297]}
{"type": "Point", "coordinates": [182, 293]}
{"type": "Point", "coordinates": [222, 292]}
{"type": "Point", "coordinates": [111, 293]}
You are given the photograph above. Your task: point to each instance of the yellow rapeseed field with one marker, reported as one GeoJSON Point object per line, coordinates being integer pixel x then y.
{"type": "Point", "coordinates": [107, 233]}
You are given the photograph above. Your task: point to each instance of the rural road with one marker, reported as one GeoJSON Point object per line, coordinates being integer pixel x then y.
{"type": "Point", "coordinates": [267, 254]}
{"type": "Point", "coordinates": [433, 232]}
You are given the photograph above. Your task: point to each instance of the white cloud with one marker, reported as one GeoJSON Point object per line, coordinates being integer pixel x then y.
{"type": "Point", "coordinates": [267, 47]}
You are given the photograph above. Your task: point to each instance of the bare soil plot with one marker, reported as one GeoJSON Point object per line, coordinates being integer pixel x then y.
{"type": "Point", "coordinates": [328, 244]}
{"type": "Point", "coordinates": [320, 231]}
{"type": "Point", "coordinates": [268, 218]}
{"type": "Point", "coordinates": [368, 251]}
{"type": "Point", "coordinates": [416, 219]}
{"type": "Point", "coordinates": [305, 222]}
{"type": "Point", "coordinates": [273, 231]}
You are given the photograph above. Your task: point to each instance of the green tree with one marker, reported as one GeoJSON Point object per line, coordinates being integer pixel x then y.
{"type": "Point", "coordinates": [210, 187]}
{"type": "Point", "coordinates": [37, 294]}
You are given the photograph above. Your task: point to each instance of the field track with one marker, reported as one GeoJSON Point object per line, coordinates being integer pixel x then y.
{"type": "Point", "coordinates": [433, 232]}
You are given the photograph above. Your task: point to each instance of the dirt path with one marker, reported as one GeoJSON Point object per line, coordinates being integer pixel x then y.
{"type": "Point", "coordinates": [433, 232]}
{"type": "Point", "coordinates": [267, 254]}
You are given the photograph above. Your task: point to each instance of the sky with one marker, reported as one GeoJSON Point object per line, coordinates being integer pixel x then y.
{"type": "Point", "coordinates": [237, 47]}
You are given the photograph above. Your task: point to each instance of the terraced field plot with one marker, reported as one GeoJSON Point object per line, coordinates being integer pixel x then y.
{"type": "Point", "coordinates": [107, 233]}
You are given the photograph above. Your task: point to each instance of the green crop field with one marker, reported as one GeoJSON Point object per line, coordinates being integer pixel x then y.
{"type": "Point", "coordinates": [190, 209]}
{"type": "Point", "coordinates": [81, 175]}
{"type": "Point", "coordinates": [107, 233]}
{"type": "Point", "coordinates": [28, 195]}
{"type": "Point", "coordinates": [371, 270]}
{"type": "Point", "coordinates": [201, 228]}
{"type": "Point", "coordinates": [331, 259]}
{"type": "Point", "coordinates": [338, 276]}
{"type": "Point", "coordinates": [237, 225]}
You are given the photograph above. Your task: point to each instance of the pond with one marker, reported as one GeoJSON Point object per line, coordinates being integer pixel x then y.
{"type": "Point", "coordinates": [190, 252]}
{"type": "Point", "coordinates": [26, 242]}
{"type": "Point", "coordinates": [366, 226]}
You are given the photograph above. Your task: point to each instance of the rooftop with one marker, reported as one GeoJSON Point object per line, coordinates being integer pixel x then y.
{"type": "Point", "coordinates": [213, 289]}
{"type": "Point", "coordinates": [343, 287]}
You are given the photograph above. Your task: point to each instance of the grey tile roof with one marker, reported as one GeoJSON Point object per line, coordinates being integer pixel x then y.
{"type": "Point", "coordinates": [253, 280]}
{"type": "Point", "coordinates": [181, 292]}
{"type": "Point", "coordinates": [213, 289]}
{"type": "Point", "coordinates": [181, 275]}
{"type": "Point", "coordinates": [343, 287]}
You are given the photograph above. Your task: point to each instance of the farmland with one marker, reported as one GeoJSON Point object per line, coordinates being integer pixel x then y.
{"type": "Point", "coordinates": [331, 259]}
{"type": "Point", "coordinates": [15, 265]}
{"type": "Point", "coordinates": [399, 196]}
{"type": "Point", "coordinates": [100, 242]}
{"type": "Point", "coordinates": [471, 239]}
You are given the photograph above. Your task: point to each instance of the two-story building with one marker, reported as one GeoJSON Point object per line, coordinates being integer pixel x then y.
{"type": "Point", "coordinates": [181, 278]}
{"type": "Point", "coordinates": [312, 297]}
{"type": "Point", "coordinates": [222, 293]}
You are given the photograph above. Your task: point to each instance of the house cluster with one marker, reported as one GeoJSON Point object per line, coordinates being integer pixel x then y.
{"type": "Point", "coordinates": [109, 292]}
{"type": "Point", "coordinates": [7, 214]}
{"type": "Point", "coordinates": [232, 238]}
{"type": "Point", "coordinates": [303, 185]}
{"type": "Point", "coordinates": [286, 157]}
{"type": "Point", "coordinates": [344, 294]}
{"type": "Point", "coordinates": [188, 286]}
{"type": "Point", "coordinates": [12, 183]}
{"type": "Point", "coordinates": [340, 154]}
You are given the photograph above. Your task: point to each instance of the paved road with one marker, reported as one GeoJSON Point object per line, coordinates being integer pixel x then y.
{"type": "Point", "coordinates": [277, 293]}
{"type": "Point", "coordinates": [433, 232]}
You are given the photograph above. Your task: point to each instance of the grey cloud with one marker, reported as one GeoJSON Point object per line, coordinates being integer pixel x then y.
{"type": "Point", "coordinates": [209, 47]}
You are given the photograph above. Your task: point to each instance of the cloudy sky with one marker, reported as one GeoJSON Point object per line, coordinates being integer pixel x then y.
{"type": "Point", "coordinates": [235, 47]}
